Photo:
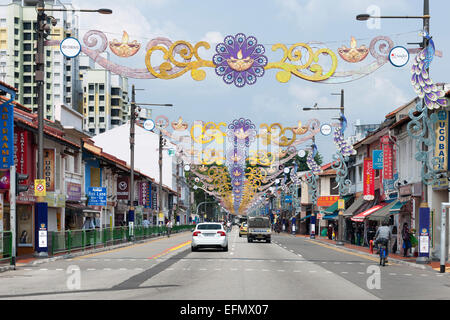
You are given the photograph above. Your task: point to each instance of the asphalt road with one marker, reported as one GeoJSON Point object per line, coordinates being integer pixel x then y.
{"type": "Point", "coordinates": [165, 269]}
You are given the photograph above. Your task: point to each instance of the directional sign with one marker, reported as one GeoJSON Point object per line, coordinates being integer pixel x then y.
{"type": "Point", "coordinates": [40, 189]}
{"type": "Point", "coordinates": [97, 197]}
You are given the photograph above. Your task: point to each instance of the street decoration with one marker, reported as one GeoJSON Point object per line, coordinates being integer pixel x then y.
{"type": "Point", "coordinates": [353, 54]}
{"type": "Point", "coordinates": [124, 48]}
{"type": "Point", "coordinates": [240, 60]}
{"type": "Point", "coordinates": [421, 126]}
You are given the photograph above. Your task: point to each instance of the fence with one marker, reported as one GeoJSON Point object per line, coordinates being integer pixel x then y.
{"type": "Point", "coordinates": [80, 240]}
{"type": "Point", "coordinates": [5, 246]}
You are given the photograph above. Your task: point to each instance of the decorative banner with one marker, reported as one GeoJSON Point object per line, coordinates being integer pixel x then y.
{"type": "Point", "coordinates": [441, 150]}
{"type": "Point", "coordinates": [353, 54]}
{"type": "Point", "coordinates": [421, 81]}
{"type": "Point", "coordinates": [124, 48]}
{"type": "Point", "coordinates": [388, 158]}
{"type": "Point", "coordinates": [377, 156]}
{"type": "Point", "coordinates": [369, 182]}
{"type": "Point", "coordinates": [49, 169]}
{"type": "Point", "coordinates": [123, 188]}
{"type": "Point", "coordinates": [327, 201]}
{"type": "Point", "coordinates": [7, 135]}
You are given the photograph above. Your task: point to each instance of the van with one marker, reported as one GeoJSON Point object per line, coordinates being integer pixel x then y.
{"type": "Point", "coordinates": [259, 229]}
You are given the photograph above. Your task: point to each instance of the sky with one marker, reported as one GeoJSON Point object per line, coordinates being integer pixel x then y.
{"type": "Point", "coordinates": [331, 22]}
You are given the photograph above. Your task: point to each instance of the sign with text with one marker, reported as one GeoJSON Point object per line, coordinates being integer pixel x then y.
{"type": "Point", "coordinates": [377, 156]}
{"type": "Point", "coordinates": [7, 135]}
{"type": "Point", "coordinates": [441, 151]}
{"type": "Point", "coordinates": [369, 182]}
{"type": "Point", "coordinates": [97, 196]}
{"type": "Point", "coordinates": [122, 188]}
{"type": "Point", "coordinates": [388, 158]}
{"type": "Point", "coordinates": [73, 191]}
{"type": "Point", "coordinates": [1, 222]}
{"type": "Point", "coordinates": [49, 169]}
{"type": "Point", "coordinates": [327, 201]}
{"type": "Point", "coordinates": [5, 182]}
{"type": "Point", "coordinates": [21, 154]}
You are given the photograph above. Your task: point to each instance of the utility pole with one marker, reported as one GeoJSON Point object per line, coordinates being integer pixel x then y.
{"type": "Point", "coordinates": [340, 241]}
{"type": "Point", "coordinates": [132, 144]}
{"type": "Point", "coordinates": [161, 145]}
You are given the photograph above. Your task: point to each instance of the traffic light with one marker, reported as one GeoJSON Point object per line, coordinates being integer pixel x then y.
{"type": "Point", "coordinates": [20, 178]}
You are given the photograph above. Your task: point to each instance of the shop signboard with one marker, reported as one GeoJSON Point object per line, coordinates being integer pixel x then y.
{"type": "Point", "coordinates": [1, 223]}
{"type": "Point", "coordinates": [327, 201]}
{"type": "Point", "coordinates": [5, 180]}
{"type": "Point", "coordinates": [7, 135]}
{"type": "Point", "coordinates": [73, 191]}
{"type": "Point", "coordinates": [122, 188]}
{"type": "Point", "coordinates": [369, 182]}
{"type": "Point", "coordinates": [441, 141]}
{"type": "Point", "coordinates": [21, 153]}
{"type": "Point", "coordinates": [49, 169]}
{"type": "Point", "coordinates": [388, 158]}
{"type": "Point", "coordinates": [145, 194]}
{"type": "Point", "coordinates": [377, 159]}
{"type": "Point", "coordinates": [55, 200]}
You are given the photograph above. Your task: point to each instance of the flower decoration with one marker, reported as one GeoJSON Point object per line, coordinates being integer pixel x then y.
{"type": "Point", "coordinates": [240, 60]}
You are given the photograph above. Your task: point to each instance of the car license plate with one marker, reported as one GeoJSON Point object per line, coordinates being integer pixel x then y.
{"type": "Point", "coordinates": [209, 234]}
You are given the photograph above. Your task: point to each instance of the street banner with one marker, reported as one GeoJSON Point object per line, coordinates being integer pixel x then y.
{"type": "Point", "coordinates": [377, 156]}
{"type": "Point", "coordinates": [144, 194]}
{"type": "Point", "coordinates": [424, 232]}
{"type": "Point", "coordinates": [1, 223]}
{"type": "Point", "coordinates": [49, 169]}
{"type": "Point", "coordinates": [7, 135]}
{"type": "Point", "coordinates": [40, 188]}
{"type": "Point", "coordinates": [369, 182]}
{"type": "Point", "coordinates": [123, 188]}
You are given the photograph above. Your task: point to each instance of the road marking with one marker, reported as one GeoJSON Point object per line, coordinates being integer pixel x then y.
{"type": "Point", "coordinates": [265, 270]}
{"type": "Point", "coordinates": [203, 269]}
{"type": "Point", "coordinates": [313, 271]}
{"type": "Point", "coordinates": [324, 262]}
{"type": "Point", "coordinates": [298, 271]}
{"type": "Point", "coordinates": [217, 269]}
{"type": "Point", "coordinates": [349, 263]}
{"type": "Point", "coordinates": [43, 269]}
{"type": "Point", "coordinates": [361, 272]}
{"type": "Point", "coordinates": [234, 269]}
{"type": "Point", "coordinates": [90, 269]}
{"type": "Point", "coordinates": [170, 269]}
{"type": "Point", "coordinates": [138, 269]}
{"type": "Point", "coordinates": [280, 270]}
{"type": "Point", "coordinates": [407, 274]}
{"type": "Point", "coordinates": [248, 270]}
{"type": "Point", "coordinates": [107, 269]}
{"type": "Point", "coordinates": [344, 272]}
{"type": "Point", "coordinates": [167, 251]}
{"type": "Point", "coordinates": [392, 274]}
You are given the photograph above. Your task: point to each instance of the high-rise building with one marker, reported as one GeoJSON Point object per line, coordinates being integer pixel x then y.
{"type": "Point", "coordinates": [18, 54]}
{"type": "Point", "coordinates": [106, 102]}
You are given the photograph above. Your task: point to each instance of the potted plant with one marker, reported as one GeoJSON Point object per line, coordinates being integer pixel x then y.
{"type": "Point", "coordinates": [414, 243]}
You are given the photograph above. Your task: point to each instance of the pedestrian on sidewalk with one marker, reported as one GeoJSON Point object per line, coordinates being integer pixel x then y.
{"type": "Point", "coordinates": [330, 232]}
{"type": "Point", "coordinates": [406, 236]}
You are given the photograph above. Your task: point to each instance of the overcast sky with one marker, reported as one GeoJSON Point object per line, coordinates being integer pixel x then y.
{"type": "Point", "coordinates": [273, 21]}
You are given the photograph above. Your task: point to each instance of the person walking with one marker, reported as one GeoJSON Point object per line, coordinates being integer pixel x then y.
{"type": "Point", "coordinates": [330, 232]}
{"type": "Point", "coordinates": [406, 236]}
{"type": "Point", "coordinates": [169, 228]}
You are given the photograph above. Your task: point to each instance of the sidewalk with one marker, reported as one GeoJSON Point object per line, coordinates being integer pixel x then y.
{"type": "Point", "coordinates": [31, 260]}
{"type": "Point", "coordinates": [435, 265]}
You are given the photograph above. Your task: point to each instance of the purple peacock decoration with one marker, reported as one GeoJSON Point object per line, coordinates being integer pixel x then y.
{"type": "Point", "coordinates": [240, 60]}
{"type": "Point", "coordinates": [312, 164]}
{"type": "Point", "coordinates": [342, 145]}
{"type": "Point", "coordinates": [423, 85]}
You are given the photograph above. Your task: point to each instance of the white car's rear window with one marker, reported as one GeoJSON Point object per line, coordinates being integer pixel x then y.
{"type": "Point", "coordinates": [209, 227]}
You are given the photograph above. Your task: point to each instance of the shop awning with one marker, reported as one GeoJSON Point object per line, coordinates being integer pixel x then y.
{"type": "Point", "coordinates": [362, 216]}
{"type": "Point", "coordinates": [397, 207]}
{"type": "Point", "coordinates": [80, 207]}
{"type": "Point", "coordinates": [383, 213]}
{"type": "Point", "coordinates": [359, 202]}
{"type": "Point", "coordinates": [333, 216]}
{"type": "Point", "coordinates": [335, 207]}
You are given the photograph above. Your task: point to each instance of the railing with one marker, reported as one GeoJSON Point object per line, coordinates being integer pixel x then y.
{"type": "Point", "coordinates": [5, 246]}
{"type": "Point", "coordinates": [81, 240]}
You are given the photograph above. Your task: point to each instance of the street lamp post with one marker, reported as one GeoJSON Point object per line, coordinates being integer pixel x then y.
{"type": "Point", "coordinates": [43, 30]}
{"type": "Point", "coordinates": [133, 117]}
{"type": "Point", "coordinates": [340, 235]}
{"type": "Point", "coordinates": [424, 208]}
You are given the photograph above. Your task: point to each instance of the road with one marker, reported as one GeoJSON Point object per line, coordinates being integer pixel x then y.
{"type": "Point", "coordinates": [290, 268]}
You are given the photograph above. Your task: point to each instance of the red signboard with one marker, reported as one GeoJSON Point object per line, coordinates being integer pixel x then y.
{"type": "Point", "coordinates": [369, 182]}
{"type": "Point", "coordinates": [388, 155]}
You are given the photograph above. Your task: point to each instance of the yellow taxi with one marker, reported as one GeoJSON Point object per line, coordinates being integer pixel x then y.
{"type": "Point", "coordinates": [243, 229]}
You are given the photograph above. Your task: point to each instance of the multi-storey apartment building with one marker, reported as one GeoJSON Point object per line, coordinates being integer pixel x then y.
{"type": "Point", "coordinates": [105, 97]}
{"type": "Point", "coordinates": [18, 53]}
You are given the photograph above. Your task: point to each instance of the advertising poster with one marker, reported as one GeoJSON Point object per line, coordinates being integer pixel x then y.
{"type": "Point", "coordinates": [122, 188]}
{"type": "Point", "coordinates": [25, 226]}
{"type": "Point", "coordinates": [49, 169]}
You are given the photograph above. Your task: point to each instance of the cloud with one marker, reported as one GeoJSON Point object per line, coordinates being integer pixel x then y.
{"type": "Point", "coordinates": [213, 37]}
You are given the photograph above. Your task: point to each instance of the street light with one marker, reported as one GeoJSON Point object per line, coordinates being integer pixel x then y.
{"type": "Point", "coordinates": [426, 26]}
{"type": "Point", "coordinates": [43, 31]}
{"type": "Point", "coordinates": [132, 144]}
{"type": "Point", "coordinates": [340, 240]}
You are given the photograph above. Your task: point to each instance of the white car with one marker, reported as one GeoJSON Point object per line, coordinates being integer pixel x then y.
{"type": "Point", "coordinates": [209, 235]}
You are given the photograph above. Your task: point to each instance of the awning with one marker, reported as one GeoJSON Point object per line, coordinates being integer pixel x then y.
{"type": "Point", "coordinates": [354, 207]}
{"type": "Point", "coordinates": [80, 207]}
{"type": "Point", "coordinates": [383, 213]}
{"type": "Point", "coordinates": [335, 207]}
{"type": "Point", "coordinates": [362, 216]}
{"type": "Point", "coordinates": [331, 216]}
{"type": "Point", "coordinates": [398, 206]}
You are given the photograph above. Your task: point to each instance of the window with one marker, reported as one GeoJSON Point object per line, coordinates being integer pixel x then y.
{"type": "Point", "coordinates": [27, 89]}
{"type": "Point", "coordinates": [27, 79]}
{"type": "Point", "coordinates": [209, 227]}
{"type": "Point", "coordinates": [27, 47]}
{"type": "Point", "coordinates": [27, 36]}
{"type": "Point", "coordinates": [334, 190]}
{"type": "Point", "coordinates": [91, 98]}
{"type": "Point", "coordinates": [16, 32]}
{"type": "Point", "coordinates": [49, 86]}
{"type": "Point", "coordinates": [16, 20]}
{"type": "Point", "coordinates": [27, 68]}
{"type": "Point", "coordinates": [27, 25]}
{"type": "Point", "coordinates": [27, 57]}
{"type": "Point", "coordinates": [102, 119]}
{"type": "Point", "coordinates": [102, 98]}
{"type": "Point", "coordinates": [102, 109]}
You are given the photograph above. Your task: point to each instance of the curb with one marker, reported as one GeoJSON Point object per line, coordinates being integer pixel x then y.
{"type": "Point", "coordinates": [83, 253]}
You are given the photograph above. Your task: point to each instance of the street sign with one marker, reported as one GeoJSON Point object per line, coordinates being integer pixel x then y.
{"type": "Point", "coordinates": [97, 197]}
{"type": "Point", "coordinates": [70, 47]}
{"type": "Point", "coordinates": [399, 57]}
{"type": "Point", "coordinates": [326, 130]}
{"type": "Point", "coordinates": [40, 188]}
{"type": "Point", "coordinates": [149, 125]}
{"type": "Point", "coordinates": [341, 204]}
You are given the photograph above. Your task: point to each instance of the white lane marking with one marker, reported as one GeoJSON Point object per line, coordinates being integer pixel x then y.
{"type": "Point", "coordinates": [407, 274]}
{"type": "Point", "coordinates": [329, 272]}
{"type": "Point", "coordinates": [265, 270]}
{"type": "Point", "coordinates": [123, 269]}
{"type": "Point", "coordinates": [392, 274]}
{"type": "Point", "coordinates": [344, 272]}
{"type": "Point", "coordinates": [248, 270]}
{"type": "Point", "coordinates": [170, 269]}
{"type": "Point", "coordinates": [91, 269]}
{"type": "Point", "coordinates": [107, 269]}
{"type": "Point", "coordinates": [280, 270]}
{"type": "Point", "coordinates": [313, 271]}
{"type": "Point", "coordinates": [43, 269]}
{"type": "Point", "coordinates": [203, 269]}
{"type": "Point", "coordinates": [324, 262]}
{"type": "Point", "coordinates": [234, 269]}
{"type": "Point", "coordinates": [337, 263]}
{"type": "Point", "coordinates": [297, 271]}
{"type": "Point", "coordinates": [424, 275]}
{"type": "Point", "coordinates": [138, 269]}
{"type": "Point", "coordinates": [217, 269]}
{"type": "Point", "coordinates": [349, 263]}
